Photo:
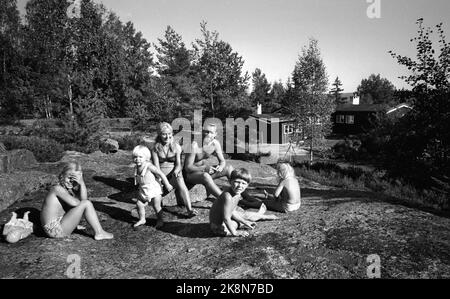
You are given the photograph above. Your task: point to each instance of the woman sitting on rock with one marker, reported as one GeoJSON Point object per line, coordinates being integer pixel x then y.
{"type": "Point", "coordinates": [166, 155]}
{"type": "Point", "coordinates": [71, 195]}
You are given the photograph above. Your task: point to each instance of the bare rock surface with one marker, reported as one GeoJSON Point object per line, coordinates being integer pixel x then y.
{"type": "Point", "coordinates": [331, 236]}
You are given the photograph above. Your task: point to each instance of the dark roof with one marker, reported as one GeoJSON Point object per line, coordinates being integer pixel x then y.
{"type": "Point", "coordinates": [347, 94]}
{"type": "Point", "coordinates": [360, 108]}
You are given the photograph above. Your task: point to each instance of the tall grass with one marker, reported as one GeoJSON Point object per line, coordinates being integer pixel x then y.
{"type": "Point", "coordinates": [356, 178]}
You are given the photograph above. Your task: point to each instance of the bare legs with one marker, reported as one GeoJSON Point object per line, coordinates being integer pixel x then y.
{"type": "Point", "coordinates": [71, 219]}
{"type": "Point", "coordinates": [182, 192]}
{"type": "Point", "coordinates": [260, 215]}
{"type": "Point", "coordinates": [207, 180]}
{"type": "Point", "coordinates": [156, 202]}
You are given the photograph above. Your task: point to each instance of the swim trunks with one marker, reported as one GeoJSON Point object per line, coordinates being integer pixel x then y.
{"type": "Point", "coordinates": [53, 229]}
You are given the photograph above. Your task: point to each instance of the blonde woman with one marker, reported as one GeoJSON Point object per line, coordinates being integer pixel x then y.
{"type": "Point", "coordinates": [166, 155]}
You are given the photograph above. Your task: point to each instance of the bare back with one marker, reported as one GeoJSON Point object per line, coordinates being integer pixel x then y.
{"type": "Point", "coordinates": [52, 207]}
{"type": "Point", "coordinates": [291, 191]}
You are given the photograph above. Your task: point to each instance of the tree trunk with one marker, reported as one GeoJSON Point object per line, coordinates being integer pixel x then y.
{"type": "Point", "coordinates": [311, 145]}
{"type": "Point", "coordinates": [212, 100]}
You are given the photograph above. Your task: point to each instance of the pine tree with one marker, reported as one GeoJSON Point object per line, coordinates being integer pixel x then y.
{"type": "Point", "coordinates": [220, 75]}
{"type": "Point", "coordinates": [336, 91]}
{"type": "Point", "coordinates": [175, 68]}
{"type": "Point", "coordinates": [261, 89]}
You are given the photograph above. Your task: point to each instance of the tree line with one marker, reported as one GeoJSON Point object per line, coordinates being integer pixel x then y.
{"type": "Point", "coordinates": [54, 64]}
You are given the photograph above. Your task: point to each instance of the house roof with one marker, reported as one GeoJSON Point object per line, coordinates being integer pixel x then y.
{"type": "Point", "coordinates": [347, 94]}
{"type": "Point", "coordinates": [360, 108]}
{"type": "Point", "coordinates": [401, 106]}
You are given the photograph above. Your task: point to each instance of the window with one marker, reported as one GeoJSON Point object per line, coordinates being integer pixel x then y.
{"type": "Point", "coordinates": [288, 129]}
{"type": "Point", "coordinates": [350, 119]}
{"type": "Point", "coordinates": [340, 119]}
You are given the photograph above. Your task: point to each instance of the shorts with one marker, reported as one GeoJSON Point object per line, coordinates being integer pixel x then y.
{"type": "Point", "coordinates": [53, 229]}
{"type": "Point", "coordinates": [147, 193]}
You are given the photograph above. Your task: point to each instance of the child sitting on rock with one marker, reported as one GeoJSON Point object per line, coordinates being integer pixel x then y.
{"type": "Point", "coordinates": [149, 188]}
{"type": "Point", "coordinates": [286, 197]}
{"type": "Point", "coordinates": [226, 217]}
{"type": "Point", "coordinates": [69, 194]}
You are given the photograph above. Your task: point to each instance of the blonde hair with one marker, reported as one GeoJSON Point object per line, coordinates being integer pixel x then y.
{"type": "Point", "coordinates": [285, 170]}
{"type": "Point", "coordinates": [158, 141]}
{"type": "Point", "coordinates": [142, 150]}
{"type": "Point", "coordinates": [68, 167]}
{"type": "Point", "coordinates": [162, 126]}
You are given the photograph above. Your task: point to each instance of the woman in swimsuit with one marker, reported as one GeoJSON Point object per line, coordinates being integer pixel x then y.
{"type": "Point", "coordinates": [166, 155]}
{"type": "Point", "coordinates": [71, 195]}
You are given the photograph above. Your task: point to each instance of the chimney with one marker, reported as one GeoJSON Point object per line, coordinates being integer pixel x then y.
{"type": "Point", "coordinates": [356, 100]}
{"type": "Point", "coordinates": [258, 109]}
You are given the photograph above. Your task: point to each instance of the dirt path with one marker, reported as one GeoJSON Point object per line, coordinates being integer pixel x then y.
{"type": "Point", "coordinates": [331, 236]}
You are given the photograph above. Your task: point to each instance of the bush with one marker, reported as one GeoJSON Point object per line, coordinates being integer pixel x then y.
{"type": "Point", "coordinates": [45, 150]}
{"type": "Point", "coordinates": [347, 149]}
{"type": "Point", "coordinates": [357, 178]}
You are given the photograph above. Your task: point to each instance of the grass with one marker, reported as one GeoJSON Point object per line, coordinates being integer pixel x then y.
{"type": "Point", "coordinates": [356, 178]}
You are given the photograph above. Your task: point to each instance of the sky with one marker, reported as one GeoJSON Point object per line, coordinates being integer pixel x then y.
{"type": "Point", "coordinates": [354, 36]}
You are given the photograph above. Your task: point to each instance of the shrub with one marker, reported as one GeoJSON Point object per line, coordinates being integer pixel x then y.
{"type": "Point", "coordinates": [45, 150]}
{"type": "Point", "coordinates": [347, 149]}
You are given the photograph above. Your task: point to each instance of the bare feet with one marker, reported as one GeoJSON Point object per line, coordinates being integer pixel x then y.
{"type": "Point", "coordinates": [192, 213]}
{"type": "Point", "coordinates": [103, 236]}
{"type": "Point", "coordinates": [262, 209]}
{"type": "Point", "coordinates": [140, 222]}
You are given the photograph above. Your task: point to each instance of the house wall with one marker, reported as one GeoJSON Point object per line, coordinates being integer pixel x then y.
{"type": "Point", "coordinates": [361, 122]}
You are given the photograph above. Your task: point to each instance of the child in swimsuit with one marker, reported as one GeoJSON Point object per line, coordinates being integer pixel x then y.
{"type": "Point", "coordinates": [69, 194]}
{"type": "Point", "coordinates": [166, 155]}
{"type": "Point", "coordinates": [149, 188]}
{"type": "Point", "coordinates": [286, 197]}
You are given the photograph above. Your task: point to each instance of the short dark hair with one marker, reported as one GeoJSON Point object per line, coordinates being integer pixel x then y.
{"type": "Point", "coordinates": [241, 173]}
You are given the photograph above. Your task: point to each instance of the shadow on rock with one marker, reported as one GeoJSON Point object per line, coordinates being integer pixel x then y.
{"type": "Point", "coordinates": [127, 188]}
{"type": "Point", "coordinates": [114, 212]}
{"type": "Point", "coordinates": [124, 186]}
{"type": "Point", "coordinates": [188, 230]}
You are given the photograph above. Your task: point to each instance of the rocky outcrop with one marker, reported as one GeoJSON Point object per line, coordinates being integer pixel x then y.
{"type": "Point", "coordinates": [336, 233]}
{"type": "Point", "coordinates": [14, 160]}
{"type": "Point", "coordinates": [14, 186]}
{"type": "Point", "coordinates": [109, 146]}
